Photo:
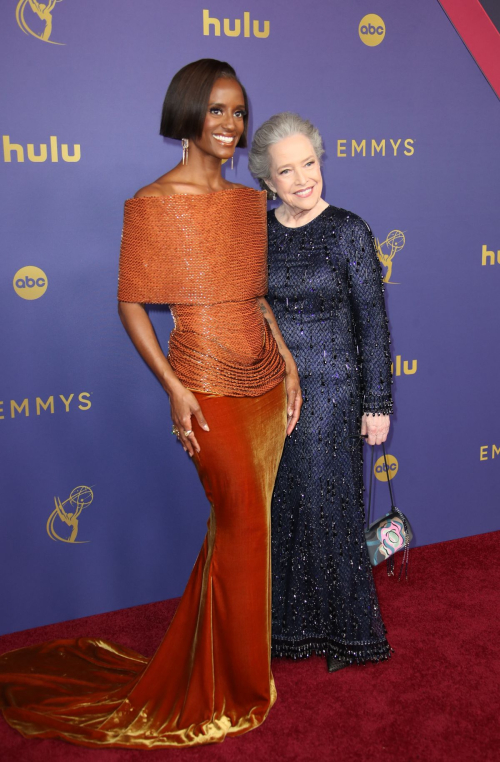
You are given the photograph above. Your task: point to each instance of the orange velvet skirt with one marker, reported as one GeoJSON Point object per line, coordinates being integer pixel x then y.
{"type": "Point", "coordinates": [210, 676]}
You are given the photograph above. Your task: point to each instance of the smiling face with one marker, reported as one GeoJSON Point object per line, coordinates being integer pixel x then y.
{"type": "Point", "coordinates": [295, 173]}
{"type": "Point", "coordinates": [224, 122]}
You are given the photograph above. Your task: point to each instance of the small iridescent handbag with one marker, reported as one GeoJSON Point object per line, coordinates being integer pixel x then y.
{"type": "Point", "coordinates": [387, 535]}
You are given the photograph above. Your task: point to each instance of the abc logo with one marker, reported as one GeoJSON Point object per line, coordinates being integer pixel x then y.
{"type": "Point", "coordinates": [371, 30]}
{"type": "Point", "coordinates": [30, 282]}
{"type": "Point", "coordinates": [382, 473]}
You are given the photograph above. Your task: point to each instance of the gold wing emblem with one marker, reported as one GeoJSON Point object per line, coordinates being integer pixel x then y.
{"type": "Point", "coordinates": [387, 250]}
{"type": "Point", "coordinates": [79, 499]}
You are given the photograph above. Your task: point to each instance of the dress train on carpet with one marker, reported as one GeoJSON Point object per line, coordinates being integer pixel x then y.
{"type": "Point", "coordinates": [211, 674]}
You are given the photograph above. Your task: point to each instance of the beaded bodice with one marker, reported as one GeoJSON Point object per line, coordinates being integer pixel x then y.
{"type": "Point", "coordinates": [205, 256]}
{"type": "Point", "coordinates": [325, 288]}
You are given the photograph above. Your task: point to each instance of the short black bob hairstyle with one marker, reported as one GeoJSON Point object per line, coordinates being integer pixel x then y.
{"type": "Point", "coordinates": [186, 101]}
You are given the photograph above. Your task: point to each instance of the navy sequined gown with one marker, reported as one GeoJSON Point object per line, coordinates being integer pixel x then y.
{"type": "Point", "coordinates": [325, 288]}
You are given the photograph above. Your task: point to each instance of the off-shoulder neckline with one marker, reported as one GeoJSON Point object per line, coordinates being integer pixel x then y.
{"type": "Point", "coordinates": [195, 195]}
{"type": "Point", "coordinates": [299, 227]}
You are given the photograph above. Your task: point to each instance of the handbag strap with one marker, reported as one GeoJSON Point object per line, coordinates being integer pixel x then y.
{"type": "Point", "coordinates": [388, 479]}
{"type": "Point", "coordinates": [368, 513]}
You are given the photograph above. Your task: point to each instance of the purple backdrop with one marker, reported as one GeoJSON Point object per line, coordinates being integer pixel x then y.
{"type": "Point", "coordinates": [99, 93]}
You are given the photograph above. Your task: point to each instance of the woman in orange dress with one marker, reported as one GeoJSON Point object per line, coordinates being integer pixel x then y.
{"type": "Point", "coordinates": [198, 243]}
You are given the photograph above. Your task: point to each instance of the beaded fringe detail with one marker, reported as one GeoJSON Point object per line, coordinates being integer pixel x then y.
{"type": "Point", "coordinates": [354, 653]}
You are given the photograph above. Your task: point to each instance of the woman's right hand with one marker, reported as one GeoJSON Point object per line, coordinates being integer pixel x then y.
{"type": "Point", "coordinates": [184, 405]}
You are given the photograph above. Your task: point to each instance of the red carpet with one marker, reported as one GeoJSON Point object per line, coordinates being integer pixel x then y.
{"type": "Point", "coordinates": [438, 698]}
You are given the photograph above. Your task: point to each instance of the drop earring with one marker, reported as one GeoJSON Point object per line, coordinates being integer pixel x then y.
{"type": "Point", "coordinates": [185, 150]}
{"type": "Point", "coordinates": [232, 162]}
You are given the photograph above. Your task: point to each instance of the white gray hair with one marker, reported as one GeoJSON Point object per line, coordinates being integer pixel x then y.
{"type": "Point", "coordinates": [278, 127]}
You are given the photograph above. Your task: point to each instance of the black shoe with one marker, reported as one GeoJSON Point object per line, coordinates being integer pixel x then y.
{"type": "Point", "coordinates": [334, 664]}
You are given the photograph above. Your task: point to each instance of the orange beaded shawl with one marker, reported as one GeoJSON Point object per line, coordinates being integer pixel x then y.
{"type": "Point", "coordinates": [205, 256]}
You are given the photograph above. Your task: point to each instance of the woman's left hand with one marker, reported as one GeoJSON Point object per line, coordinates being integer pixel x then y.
{"type": "Point", "coordinates": [293, 398]}
{"type": "Point", "coordinates": [376, 427]}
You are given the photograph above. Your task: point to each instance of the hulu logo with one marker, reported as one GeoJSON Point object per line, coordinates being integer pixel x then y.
{"type": "Point", "coordinates": [488, 257]}
{"type": "Point", "coordinates": [406, 370]}
{"type": "Point", "coordinates": [16, 149]}
{"type": "Point", "coordinates": [213, 24]}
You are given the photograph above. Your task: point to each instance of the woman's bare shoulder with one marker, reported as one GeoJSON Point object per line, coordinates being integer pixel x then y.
{"type": "Point", "coordinates": [149, 190]}
{"type": "Point", "coordinates": [166, 185]}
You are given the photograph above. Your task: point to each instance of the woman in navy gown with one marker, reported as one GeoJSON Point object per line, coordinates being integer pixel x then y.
{"type": "Point", "coordinates": [325, 289]}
